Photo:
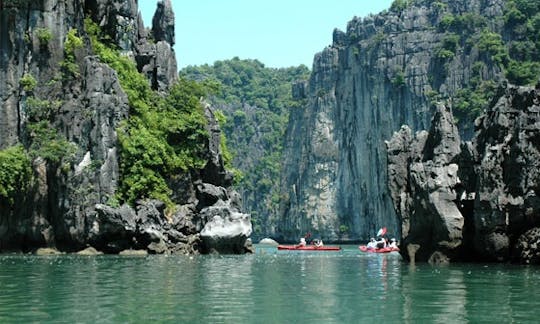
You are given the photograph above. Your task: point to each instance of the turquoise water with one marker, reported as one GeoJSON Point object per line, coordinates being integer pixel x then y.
{"type": "Point", "coordinates": [267, 287]}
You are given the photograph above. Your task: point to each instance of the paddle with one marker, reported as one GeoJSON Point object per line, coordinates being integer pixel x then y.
{"type": "Point", "coordinates": [381, 231]}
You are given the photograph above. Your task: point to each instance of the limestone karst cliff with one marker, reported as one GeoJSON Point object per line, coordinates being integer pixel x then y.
{"type": "Point", "coordinates": [384, 71]}
{"type": "Point", "coordinates": [72, 99]}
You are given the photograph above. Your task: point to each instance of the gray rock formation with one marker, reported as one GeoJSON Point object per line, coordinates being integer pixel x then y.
{"type": "Point", "coordinates": [423, 181]}
{"type": "Point", "coordinates": [507, 168]}
{"type": "Point", "coordinates": [123, 23]}
{"type": "Point", "coordinates": [225, 230]}
{"type": "Point", "coordinates": [458, 201]}
{"type": "Point", "coordinates": [378, 75]}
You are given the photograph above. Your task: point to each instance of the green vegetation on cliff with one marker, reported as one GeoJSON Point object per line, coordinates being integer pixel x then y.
{"type": "Point", "coordinates": [510, 45]}
{"type": "Point", "coordinates": [164, 135]}
{"type": "Point", "coordinates": [15, 172]}
{"type": "Point", "coordinates": [255, 101]}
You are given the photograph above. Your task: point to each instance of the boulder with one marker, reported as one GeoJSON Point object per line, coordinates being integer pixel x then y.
{"type": "Point", "coordinates": [209, 194]}
{"type": "Point", "coordinates": [133, 252]}
{"type": "Point", "coordinates": [268, 241]}
{"type": "Point", "coordinates": [48, 251]}
{"type": "Point", "coordinates": [225, 231]}
{"type": "Point", "coordinates": [527, 249]}
{"type": "Point", "coordinates": [89, 251]}
{"type": "Point", "coordinates": [113, 228]}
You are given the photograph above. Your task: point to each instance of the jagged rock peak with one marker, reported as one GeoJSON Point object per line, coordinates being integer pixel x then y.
{"type": "Point", "coordinates": [163, 22]}
{"type": "Point", "coordinates": [118, 18]}
{"type": "Point", "coordinates": [443, 142]}
{"type": "Point", "coordinates": [423, 179]}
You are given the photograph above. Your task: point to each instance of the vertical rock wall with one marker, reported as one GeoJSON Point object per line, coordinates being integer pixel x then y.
{"type": "Point", "coordinates": [371, 80]}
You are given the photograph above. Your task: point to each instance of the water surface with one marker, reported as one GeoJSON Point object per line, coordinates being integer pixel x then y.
{"type": "Point", "coordinates": [267, 287]}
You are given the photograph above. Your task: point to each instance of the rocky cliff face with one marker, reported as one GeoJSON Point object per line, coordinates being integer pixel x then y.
{"type": "Point", "coordinates": [478, 199]}
{"type": "Point", "coordinates": [381, 73]}
{"type": "Point", "coordinates": [56, 93]}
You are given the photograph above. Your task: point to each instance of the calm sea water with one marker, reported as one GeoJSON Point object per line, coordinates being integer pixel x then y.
{"type": "Point", "coordinates": [267, 287]}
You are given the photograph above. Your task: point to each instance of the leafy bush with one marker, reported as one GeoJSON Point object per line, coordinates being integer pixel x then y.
{"type": "Point", "coordinates": [71, 44]}
{"type": "Point", "coordinates": [464, 24]}
{"type": "Point", "coordinates": [47, 143]}
{"type": "Point", "coordinates": [491, 43]}
{"type": "Point", "coordinates": [523, 73]}
{"type": "Point", "coordinates": [44, 36]}
{"type": "Point", "coordinates": [444, 54]}
{"type": "Point", "coordinates": [399, 5]}
{"type": "Point", "coordinates": [470, 102]}
{"type": "Point", "coordinates": [38, 109]}
{"type": "Point", "coordinates": [522, 19]}
{"type": "Point", "coordinates": [15, 172]}
{"type": "Point", "coordinates": [28, 82]}
{"type": "Point", "coordinates": [399, 79]}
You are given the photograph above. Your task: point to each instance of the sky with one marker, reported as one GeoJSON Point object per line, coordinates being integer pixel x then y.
{"type": "Point", "coordinates": [278, 33]}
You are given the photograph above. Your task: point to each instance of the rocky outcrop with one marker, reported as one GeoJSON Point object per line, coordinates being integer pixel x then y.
{"type": "Point", "coordinates": [424, 184]}
{"type": "Point", "coordinates": [381, 73]}
{"type": "Point", "coordinates": [507, 143]}
{"type": "Point", "coordinates": [46, 82]}
{"type": "Point", "coordinates": [458, 201]}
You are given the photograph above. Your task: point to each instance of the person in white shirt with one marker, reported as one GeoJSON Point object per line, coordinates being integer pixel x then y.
{"type": "Point", "coordinates": [372, 244]}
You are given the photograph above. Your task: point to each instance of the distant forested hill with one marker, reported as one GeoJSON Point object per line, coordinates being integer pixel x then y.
{"type": "Point", "coordinates": [255, 101]}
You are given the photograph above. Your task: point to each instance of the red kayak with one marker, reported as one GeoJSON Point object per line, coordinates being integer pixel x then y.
{"type": "Point", "coordinates": [364, 248]}
{"type": "Point", "coordinates": [308, 248]}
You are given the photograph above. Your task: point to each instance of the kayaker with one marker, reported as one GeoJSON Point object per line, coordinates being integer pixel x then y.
{"type": "Point", "coordinates": [372, 244]}
{"type": "Point", "coordinates": [318, 243]}
{"type": "Point", "coordinates": [302, 242]}
{"type": "Point", "coordinates": [381, 244]}
{"type": "Point", "coordinates": [393, 244]}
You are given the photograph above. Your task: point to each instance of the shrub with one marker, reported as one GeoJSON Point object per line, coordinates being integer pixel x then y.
{"type": "Point", "coordinates": [447, 22]}
{"type": "Point", "coordinates": [470, 102]}
{"type": "Point", "coordinates": [399, 5]}
{"type": "Point", "coordinates": [72, 43]}
{"type": "Point", "coordinates": [462, 24]}
{"type": "Point", "coordinates": [38, 109]}
{"type": "Point", "coordinates": [523, 73]}
{"type": "Point", "coordinates": [44, 36]}
{"type": "Point", "coordinates": [399, 79]}
{"type": "Point", "coordinates": [444, 54]}
{"type": "Point", "coordinates": [491, 43]}
{"type": "Point", "coordinates": [15, 172]}
{"type": "Point", "coordinates": [48, 144]}
{"type": "Point", "coordinates": [28, 82]}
